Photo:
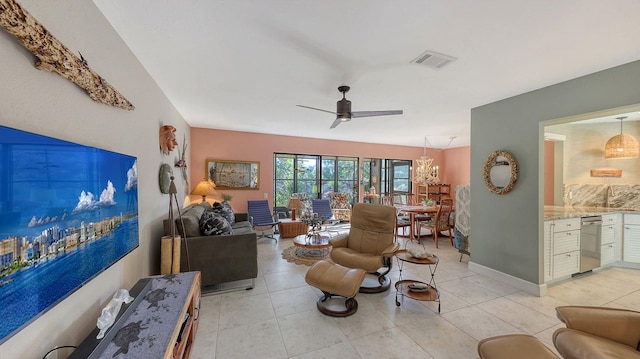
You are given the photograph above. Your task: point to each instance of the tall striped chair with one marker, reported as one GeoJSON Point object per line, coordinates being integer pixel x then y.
{"type": "Point", "coordinates": [323, 208]}
{"type": "Point", "coordinates": [260, 216]}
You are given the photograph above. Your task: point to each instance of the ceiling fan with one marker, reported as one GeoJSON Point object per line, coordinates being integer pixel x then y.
{"type": "Point", "coordinates": [343, 111]}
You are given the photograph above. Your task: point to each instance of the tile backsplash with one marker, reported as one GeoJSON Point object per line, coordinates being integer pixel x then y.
{"type": "Point", "coordinates": [602, 195]}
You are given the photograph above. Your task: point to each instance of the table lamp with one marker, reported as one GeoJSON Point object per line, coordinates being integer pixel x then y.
{"type": "Point", "coordinates": [294, 205]}
{"type": "Point", "coordinates": [205, 188]}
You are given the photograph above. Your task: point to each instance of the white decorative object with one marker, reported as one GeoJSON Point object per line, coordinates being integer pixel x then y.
{"type": "Point", "coordinates": [111, 310]}
{"type": "Point", "coordinates": [418, 253]}
{"type": "Point", "coordinates": [425, 172]}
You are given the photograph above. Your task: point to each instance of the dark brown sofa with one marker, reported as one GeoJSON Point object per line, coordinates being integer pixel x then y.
{"type": "Point", "coordinates": [220, 258]}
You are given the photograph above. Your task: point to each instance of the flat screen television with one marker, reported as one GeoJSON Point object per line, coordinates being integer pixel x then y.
{"type": "Point", "coordinates": [67, 212]}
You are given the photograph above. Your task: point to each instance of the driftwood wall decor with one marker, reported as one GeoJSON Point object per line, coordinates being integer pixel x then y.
{"type": "Point", "coordinates": [55, 57]}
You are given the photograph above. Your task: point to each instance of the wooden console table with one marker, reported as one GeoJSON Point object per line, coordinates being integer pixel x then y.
{"type": "Point", "coordinates": [160, 322]}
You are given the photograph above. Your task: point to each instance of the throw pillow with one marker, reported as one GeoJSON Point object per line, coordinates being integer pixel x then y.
{"type": "Point", "coordinates": [228, 214]}
{"type": "Point", "coordinates": [212, 225]}
{"type": "Point", "coordinates": [220, 209]}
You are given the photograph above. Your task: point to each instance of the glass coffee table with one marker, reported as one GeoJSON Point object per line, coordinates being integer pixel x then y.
{"type": "Point", "coordinates": [316, 245]}
{"type": "Point", "coordinates": [415, 289]}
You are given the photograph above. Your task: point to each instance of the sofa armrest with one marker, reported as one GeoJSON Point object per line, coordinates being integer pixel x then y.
{"type": "Point", "coordinates": [221, 258]}
{"type": "Point", "coordinates": [619, 325]}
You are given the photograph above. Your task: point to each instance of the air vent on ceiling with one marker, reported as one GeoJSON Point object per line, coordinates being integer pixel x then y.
{"type": "Point", "coordinates": [433, 59]}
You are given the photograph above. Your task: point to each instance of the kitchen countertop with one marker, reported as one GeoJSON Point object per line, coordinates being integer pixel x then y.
{"type": "Point", "coordinates": [559, 212]}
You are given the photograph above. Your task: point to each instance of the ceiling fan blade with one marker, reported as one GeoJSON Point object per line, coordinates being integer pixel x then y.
{"type": "Point", "coordinates": [317, 109]}
{"type": "Point", "coordinates": [336, 123]}
{"type": "Point", "coordinates": [375, 113]}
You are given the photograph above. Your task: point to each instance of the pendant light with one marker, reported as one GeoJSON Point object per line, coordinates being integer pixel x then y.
{"type": "Point", "coordinates": [425, 172]}
{"type": "Point", "coordinates": [622, 145]}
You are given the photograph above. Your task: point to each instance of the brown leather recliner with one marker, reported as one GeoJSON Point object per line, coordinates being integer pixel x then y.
{"type": "Point", "coordinates": [597, 332]}
{"type": "Point", "coordinates": [369, 244]}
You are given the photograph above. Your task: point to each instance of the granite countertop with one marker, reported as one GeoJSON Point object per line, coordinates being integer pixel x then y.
{"type": "Point", "coordinates": [559, 212]}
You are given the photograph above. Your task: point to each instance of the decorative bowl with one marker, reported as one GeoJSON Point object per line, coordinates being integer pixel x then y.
{"type": "Point", "coordinates": [418, 253]}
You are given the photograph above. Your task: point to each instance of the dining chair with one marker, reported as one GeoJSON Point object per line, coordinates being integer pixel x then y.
{"type": "Point", "coordinates": [402, 219]}
{"type": "Point", "coordinates": [418, 218]}
{"type": "Point", "coordinates": [260, 216]}
{"type": "Point", "coordinates": [441, 223]}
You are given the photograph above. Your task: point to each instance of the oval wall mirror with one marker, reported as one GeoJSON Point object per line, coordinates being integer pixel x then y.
{"type": "Point", "coordinates": [500, 172]}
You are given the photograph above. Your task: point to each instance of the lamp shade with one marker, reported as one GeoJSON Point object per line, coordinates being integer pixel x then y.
{"type": "Point", "coordinates": [294, 203]}
{"type": "Point", "coordinates": [622, 146]}
{"type": "Point", "coordinates": [204, 188]}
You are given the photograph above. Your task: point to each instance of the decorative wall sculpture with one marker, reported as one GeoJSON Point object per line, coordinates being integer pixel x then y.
{"type": "Point", "coordinates": [53, 56]}
{"type": "Point", "coordinates": [167, 139]}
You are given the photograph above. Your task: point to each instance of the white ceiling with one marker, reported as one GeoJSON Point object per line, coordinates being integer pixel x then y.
{"type": "Point", "coordinates": [244, 65]}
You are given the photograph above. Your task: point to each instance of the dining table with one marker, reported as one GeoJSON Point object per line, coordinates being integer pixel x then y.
{"type": "Point", "coordinates": [413, 211]}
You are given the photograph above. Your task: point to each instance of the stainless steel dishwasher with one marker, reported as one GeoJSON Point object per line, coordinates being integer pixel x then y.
{"type": "Point", "coordinates": [590, 243]}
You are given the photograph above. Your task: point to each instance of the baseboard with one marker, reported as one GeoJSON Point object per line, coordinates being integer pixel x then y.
{"type": "Point", "coordinates": [539, 290]}
{"type": "Point", "coordinates": [244, 284]}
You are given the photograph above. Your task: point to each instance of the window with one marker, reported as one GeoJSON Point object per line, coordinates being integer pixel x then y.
{"type": "Point", "coordinates": [283, 179]}
{"type": "Point", "coordinates": [313, 175]}
{"type": "Point", "coordinates": [401, 176]}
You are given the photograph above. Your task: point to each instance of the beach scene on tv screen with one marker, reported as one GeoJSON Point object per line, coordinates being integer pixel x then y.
{"type": "Point", "coordinates": [67, 212]}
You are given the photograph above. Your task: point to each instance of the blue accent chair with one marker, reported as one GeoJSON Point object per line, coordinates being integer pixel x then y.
{"type": "Point", "coordinates": [260, 216]}
{"type": "Point", "coordinates": [323, 208]}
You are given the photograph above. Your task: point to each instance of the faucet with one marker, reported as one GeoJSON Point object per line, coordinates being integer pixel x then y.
{"type": "Point", "coordinates": [610, 192]}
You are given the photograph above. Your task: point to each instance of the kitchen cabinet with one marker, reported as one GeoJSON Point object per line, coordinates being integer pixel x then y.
{"type": "Point", "coordinates": [548, 250]}
{"type": "Point", "coordinates": [561, 248]}
{"type": "Point", "coordinates": [611, 239]}
{"type": "Point", "coordinates": [631, 237]}
{"type": "Point", "coordinates": [566, 247]}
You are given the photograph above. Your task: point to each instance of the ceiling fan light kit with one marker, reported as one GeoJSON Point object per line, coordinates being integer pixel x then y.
{"type": "Point", "coordinates": [343, 110]}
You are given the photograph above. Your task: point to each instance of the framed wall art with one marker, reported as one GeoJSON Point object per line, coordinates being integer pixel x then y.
{"type": "Point", "coordinates": [233, 174]}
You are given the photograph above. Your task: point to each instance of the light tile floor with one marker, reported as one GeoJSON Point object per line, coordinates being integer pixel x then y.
{"type": "Point", "coordinates": [279, 319]}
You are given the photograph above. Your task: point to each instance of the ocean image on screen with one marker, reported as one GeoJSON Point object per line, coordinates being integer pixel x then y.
{"type": "Point", "coordinates": [67, 212]}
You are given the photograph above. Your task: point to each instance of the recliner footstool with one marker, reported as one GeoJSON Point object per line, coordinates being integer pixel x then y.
{"type": "Point", "coordinates": [511, 346]}
{"type": "Point", "coordinates": [335, 280]}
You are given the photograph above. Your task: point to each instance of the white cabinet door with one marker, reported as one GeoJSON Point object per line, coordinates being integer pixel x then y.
{"type": "Point", "coordinates": [567, 224]}
{"type": "Point", "coordinates": [607, 254]}
{"type": "Point", "coordinates": [611, 237]}
{"type": "Point", "coordinates": [631, 238]}
{"type": "Point", "coordinates": [565, 245]}
{"type": "Point", "coordinates": [566, 264]}
{"type": "Point", "coordinates": [567, 241]}
{"type": "Point", "coordinates": [631, 243]}
{"type": "Point", "coordinates": [548, 250]}
{"type": "Point", "coordinates": [608, 231]}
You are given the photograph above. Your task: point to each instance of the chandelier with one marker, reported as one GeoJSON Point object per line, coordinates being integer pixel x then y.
{"type": "Point", "coordinates": [622, 145]}
{"type": "Point", "coordinates": [425, 172]}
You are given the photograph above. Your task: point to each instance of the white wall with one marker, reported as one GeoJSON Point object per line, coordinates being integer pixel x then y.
{"type": "Point", "coordinates": [584, 151]}
{"type": "Point", "coordinates": [45, 103]}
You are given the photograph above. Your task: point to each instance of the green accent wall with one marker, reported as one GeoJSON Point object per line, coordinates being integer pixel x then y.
{"type": "Point", "coordinates": [506, 230]}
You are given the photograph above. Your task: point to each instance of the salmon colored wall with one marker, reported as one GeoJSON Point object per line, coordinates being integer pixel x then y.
{"type": "Point", "coordinates": [457, 167]}
{"type": "Point", "coordinates": [549, 192]}
{"type": "Point", "coordinates": [248, 146]}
